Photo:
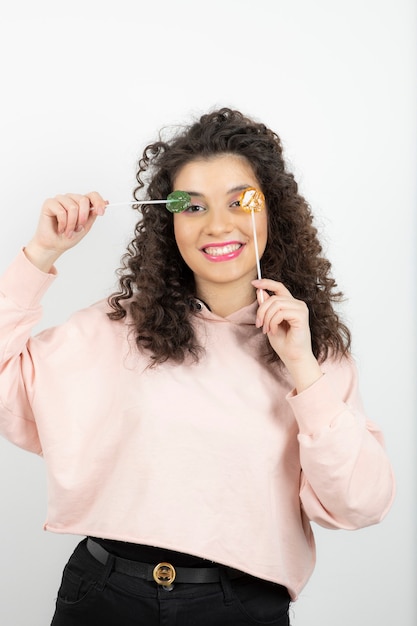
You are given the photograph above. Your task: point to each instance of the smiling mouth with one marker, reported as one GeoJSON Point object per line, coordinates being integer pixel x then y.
{"type": "Point", "coordinates": [222, 250]}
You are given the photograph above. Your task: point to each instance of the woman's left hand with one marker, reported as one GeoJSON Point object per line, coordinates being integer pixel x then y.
{"type": "Point", "coordinates": [285, 320]}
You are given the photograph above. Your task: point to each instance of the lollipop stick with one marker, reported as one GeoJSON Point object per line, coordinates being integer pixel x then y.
{"type": "Point", "coordinates": [112, 204]}
{"type": "Point", "coordinates": [255, 241]}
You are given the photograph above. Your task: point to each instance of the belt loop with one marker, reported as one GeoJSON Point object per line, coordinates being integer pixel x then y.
{"type": "Point", "coordinates": [226, 586]}
{"type": "Point", "coordinates": [107, 569]}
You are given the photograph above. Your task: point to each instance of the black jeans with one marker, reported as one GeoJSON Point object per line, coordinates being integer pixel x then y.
{"type": "Point", "coordinates": [92, 594]}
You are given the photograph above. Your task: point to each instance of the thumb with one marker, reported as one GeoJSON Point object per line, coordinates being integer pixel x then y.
{"type": "Point", "coordinates": [262, 296]}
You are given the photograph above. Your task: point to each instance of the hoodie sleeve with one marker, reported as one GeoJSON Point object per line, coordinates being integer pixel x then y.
{"type": "Point", "coordinates": [21, 289]}
{"type": "Point", "coordinates": [347, 480]}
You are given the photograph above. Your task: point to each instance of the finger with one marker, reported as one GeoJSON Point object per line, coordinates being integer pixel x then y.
{"type": "Point", "coordinates": [89, 205]}
{"type": "Point", "coordinates": [54, 208]}
{"type": "Point", "coordinates": [65, 210]}
{"type": "Point", "coordinates": [71, 204]}
{"type": "Point", "coordinates": [261, 296]}
{"type": "Point", "coordinates": [271, 285]}
{"type": "Point", "coordinates": [273, 311]}
{"type": "Point", "coordinates": [83, 212]}
{"type": "Point", "coordinates": [97, 202]}
{"type": "Point", "coordinates": [294, 312]}
{"type": "Point", "coordinates": [265, 301]}
{"type": "Point", "coordinates": [275, 318]}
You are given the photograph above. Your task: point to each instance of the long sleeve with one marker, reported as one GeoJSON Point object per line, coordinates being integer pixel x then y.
{"type": "Point", "coordinates": [21, 289]}
{"type": "Point", "coordinates": [346, 480]}
{"type": "Point", "coordinates": [234, 443]}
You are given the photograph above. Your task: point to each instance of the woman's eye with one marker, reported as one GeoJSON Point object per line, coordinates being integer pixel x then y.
{"type": "Point", "coordinates": [194, 208]}
{"type": "Point", "coordinates": [236, 203]}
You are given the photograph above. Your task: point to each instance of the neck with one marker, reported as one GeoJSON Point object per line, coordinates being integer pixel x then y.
{"type": "Point", "coordinates": [224, 300]}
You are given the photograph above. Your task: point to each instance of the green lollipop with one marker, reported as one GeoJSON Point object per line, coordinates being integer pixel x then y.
{"type": "Point", "coordinates": [178, 201]}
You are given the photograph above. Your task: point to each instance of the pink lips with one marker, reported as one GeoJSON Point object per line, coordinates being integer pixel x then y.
{"type": "Point", "coordinates": [225, 251]}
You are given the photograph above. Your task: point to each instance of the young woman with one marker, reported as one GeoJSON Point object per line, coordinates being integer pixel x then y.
{"type": "Point", "coordinates": [196, 422]}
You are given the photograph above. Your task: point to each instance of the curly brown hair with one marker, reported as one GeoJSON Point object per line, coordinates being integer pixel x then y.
{"type": "Point", "coordinates": [155, 284]}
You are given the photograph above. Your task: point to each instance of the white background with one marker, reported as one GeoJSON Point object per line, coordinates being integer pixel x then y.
{"type": "Point", "coordinates": [86, 85]}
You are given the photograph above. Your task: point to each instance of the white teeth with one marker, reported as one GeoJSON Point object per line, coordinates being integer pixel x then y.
{"type": "Point", "coordinates": [223, 250]}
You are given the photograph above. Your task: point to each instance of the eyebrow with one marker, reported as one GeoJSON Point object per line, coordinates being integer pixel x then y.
{"type": "Point", "coordinates": [232, 190]}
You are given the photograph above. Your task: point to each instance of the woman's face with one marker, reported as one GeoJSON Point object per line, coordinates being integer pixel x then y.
{"type": "Point", "coordinates": [215, 235]}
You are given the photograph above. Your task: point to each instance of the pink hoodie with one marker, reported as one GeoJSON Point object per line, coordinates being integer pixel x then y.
{"type": "Point", "coordinates": [218, 459]}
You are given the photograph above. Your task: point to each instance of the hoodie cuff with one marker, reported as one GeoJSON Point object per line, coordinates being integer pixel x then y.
{"type": "Point", "coordinates": [24, 284]}
{"type": "Point", "coordinates": [316, 407]}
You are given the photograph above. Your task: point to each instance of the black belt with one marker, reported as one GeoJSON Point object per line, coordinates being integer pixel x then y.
{"type": "Point", "coordinates": [163, 573]}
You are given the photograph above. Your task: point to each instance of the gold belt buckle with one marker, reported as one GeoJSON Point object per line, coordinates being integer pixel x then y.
{"type": "Point", "coordinates": [164, 574]}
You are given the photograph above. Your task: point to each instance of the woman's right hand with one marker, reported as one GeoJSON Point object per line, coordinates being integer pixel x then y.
{"type": "Point", "coordinates": [64, 221]}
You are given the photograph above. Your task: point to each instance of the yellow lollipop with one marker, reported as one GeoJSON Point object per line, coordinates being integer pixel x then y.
{"type": "Point", "coordinates": [252, 200]}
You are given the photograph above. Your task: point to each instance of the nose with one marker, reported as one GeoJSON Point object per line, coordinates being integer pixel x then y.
{"type": "Point", "coordinates": [218, 221]}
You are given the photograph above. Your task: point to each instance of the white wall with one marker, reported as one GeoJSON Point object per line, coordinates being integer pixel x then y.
{"type": "Point", "coordinates": [86, 85]}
